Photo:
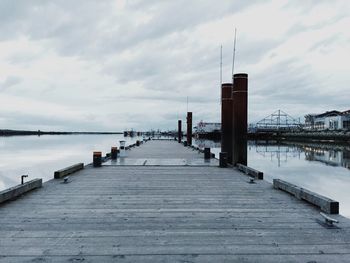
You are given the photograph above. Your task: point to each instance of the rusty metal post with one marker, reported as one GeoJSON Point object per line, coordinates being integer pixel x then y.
{"type": "Point", "coordinates": [189, 128]}
{"type": "Point", "coordinates": [114, 153]}
{"type": "Point", "coordinates": [240, 118]}
{"type": "Point", "coordinates": [179, 131]}
{"type": "Point", "coordinates": [223, 159]}
{"type": "Point", "coordinates": [97, 159]}
{"type": "Point", "coordinates": [207, 154]}
{"type": "Point", "coordinates": [226, 120]}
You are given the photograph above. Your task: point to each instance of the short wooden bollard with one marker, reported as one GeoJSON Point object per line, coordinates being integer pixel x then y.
{"type": "Point", "coordinates": [68, 170]}
{"type": "Point", "coordinates": [324, 203]}
{"type": "Point", "coordinates": [114, 153]}
{"type": "Point", "coordinates": [137, 143]}
{"type": "Point", "coordinates": [207, 154]}
{"type": "Point", "coordinates": [97, 159]}
{"type": "Point", "coordinates": [250, 171]}
{"type": "Point", "coordinates": [223, 159]}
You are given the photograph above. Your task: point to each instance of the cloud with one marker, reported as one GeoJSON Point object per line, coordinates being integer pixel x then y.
{"type": "Point", "coordinates": [116, 64]}
{"type": "Point", "coordinates": [9, 82]}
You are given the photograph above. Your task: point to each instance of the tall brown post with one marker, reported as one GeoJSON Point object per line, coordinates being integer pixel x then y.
{"type": "Point", "coordinates": [226, 120]}
{"type": "Point", "coordinates": [179, 131]}
{"type": "Point", "coordinates": [240, 118]}
{"type": "Point", "coordinates": [189, 128]}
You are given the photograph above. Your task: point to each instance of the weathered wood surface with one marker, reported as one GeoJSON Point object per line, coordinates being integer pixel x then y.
{"type": "Point", "coordinates": [163, 153]}
{"type": "Point", "coordinates": [166, 214]}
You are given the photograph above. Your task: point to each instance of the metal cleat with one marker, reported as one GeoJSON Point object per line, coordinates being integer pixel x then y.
{"type": "Point", "coordinates": [329, 221]}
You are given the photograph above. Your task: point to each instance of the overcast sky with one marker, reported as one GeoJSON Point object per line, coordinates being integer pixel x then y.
{"type": "Point", "coordinates": [112, 65]}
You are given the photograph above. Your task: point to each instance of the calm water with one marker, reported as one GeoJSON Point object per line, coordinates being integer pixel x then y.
{"type": "Point", "coordinates": [322, 168]}
{"type": "Point", "coordinates": [40, 156]}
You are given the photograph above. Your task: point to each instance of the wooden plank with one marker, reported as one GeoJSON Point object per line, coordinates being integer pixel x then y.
{"type": "Point", "coordinates": [20, 189]}
{"type": "Point", "coordinates": [68, 170]}
{"type": "Point", "coordinates": [166, 214]}
{"type": "Point", "coordinates": [325, 204]}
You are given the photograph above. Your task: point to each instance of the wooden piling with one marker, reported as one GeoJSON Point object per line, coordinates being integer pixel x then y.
{"type": "Point", "coordinates": [226, 120]}
{"type": "Point", "coordinates": [189, 128]}
{"type": "Point", "coordinates": [223, 159]}
{"type": "Point", "coordinates": [179, 131]}
{"type": "Point", "coordinates": [114, 153]}
{"type": "Point", "coordinates": [240, 118]}
{"type": "Point", "coordinates": [97, 159]}
{"type": "Point", "coordinates": [207, 153]}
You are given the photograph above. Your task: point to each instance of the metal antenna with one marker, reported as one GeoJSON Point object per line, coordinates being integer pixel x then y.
{"type": "Point", "coordinates": [234, 53]}
{"type": "Point", "coordinates": [220, 65]}
{"type": "Point", "coordinates": [187, 104]}
{"type": "Point", "coordinates": [220, 73]}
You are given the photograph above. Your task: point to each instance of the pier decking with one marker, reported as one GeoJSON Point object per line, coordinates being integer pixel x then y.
{"type": "Point", "coordinates": [173, 208]}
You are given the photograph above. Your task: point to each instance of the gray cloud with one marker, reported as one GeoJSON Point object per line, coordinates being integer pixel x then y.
{"type": "Point", "coordinates": [91, 56]}
{"type": "Point", "coordinates": [9, 82]}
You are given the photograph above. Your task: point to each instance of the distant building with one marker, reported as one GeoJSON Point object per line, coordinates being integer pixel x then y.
{"type": "Point", "coordinates": [209, 130]}
{"type": "Point", "coordinates": [330, 120]}
{"type": "Point", "coordinates": [207, 127]}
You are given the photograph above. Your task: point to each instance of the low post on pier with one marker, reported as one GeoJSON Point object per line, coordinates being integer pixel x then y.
{"type": "Point", "coordinates": [137, 143]}
{"type": "Point", "coordinates": [114, 153]}
{"type": "Point", "coordinates": [223, 159]}
{"type": "Point", "coordinates": [68, 170]}
{"type": "Point", "coordinates": [189, 128]}
{"type": "Point", "coordinates": [122, 148]}
{"type": "Point", "coordinates": [207, 153]}
{"type": "Point", "coordinates": [226, 120]}
{"type": "Point", "coordinates": [97, 159]}
{"type": "Point", "coordinates": [240, 118]}
{"type": "Point", "coordinates": [179, 131]}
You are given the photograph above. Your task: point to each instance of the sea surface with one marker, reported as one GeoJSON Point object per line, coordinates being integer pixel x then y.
{"type": "Point", "coordinates": [320, 167]}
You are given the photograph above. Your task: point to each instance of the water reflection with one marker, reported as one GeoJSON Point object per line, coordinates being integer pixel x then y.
{"type": "Point", "coordinates": [335, 156]}
{"type": "Point", "coordinates": [326, 153]}
{"type": "Point", "coordinates": [274, 150]}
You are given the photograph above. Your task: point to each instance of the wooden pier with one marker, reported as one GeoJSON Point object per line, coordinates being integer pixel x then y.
{"type": "Point", "coordinates": [165, 203]}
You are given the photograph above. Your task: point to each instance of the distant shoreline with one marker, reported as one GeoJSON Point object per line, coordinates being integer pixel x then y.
{"type": "Point", "coordinates": [39, 133]}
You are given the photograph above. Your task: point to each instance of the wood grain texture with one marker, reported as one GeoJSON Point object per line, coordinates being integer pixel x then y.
{"type": "Point", "coordinates": [166, 214]}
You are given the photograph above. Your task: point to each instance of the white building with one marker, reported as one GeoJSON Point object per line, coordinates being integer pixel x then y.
{"type": "Point", "coordinates": [207, 127]}
{"type": "Point", "coordinates": [330, 120]}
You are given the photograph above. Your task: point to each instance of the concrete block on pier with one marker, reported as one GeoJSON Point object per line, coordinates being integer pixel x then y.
{"type": "Point", "coordinates": [325, 204]}
{"type": "Point", "coordinates": [20, 189]}
{"type": "Point", "coordinates": [68, 170]}
{"type": "Point", "coordinates": [250, 171]}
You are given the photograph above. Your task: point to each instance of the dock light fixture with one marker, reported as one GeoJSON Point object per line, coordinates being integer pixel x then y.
{"type": "Point", "coordinates": [122, 148]}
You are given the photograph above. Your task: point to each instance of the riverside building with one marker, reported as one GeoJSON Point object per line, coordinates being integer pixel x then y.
{"type": "Point", "coordinates": [330, 120]}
